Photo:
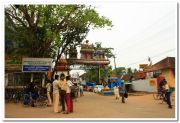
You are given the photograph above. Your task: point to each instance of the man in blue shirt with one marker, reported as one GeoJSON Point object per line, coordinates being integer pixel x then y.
{"type": "Point", "coordinates": [122, 90]}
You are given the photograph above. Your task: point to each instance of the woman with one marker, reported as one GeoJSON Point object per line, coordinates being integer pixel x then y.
{"type": "Point", "coordinates": [56, 86]}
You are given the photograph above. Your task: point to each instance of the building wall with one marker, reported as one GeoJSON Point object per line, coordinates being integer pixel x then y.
{"type": "Point", "coordinates": [146, 85]}
{"type": "Point", "coordinates": [169, 76]}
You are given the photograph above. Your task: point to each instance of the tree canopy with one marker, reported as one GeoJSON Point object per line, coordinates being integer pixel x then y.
{"type": "Point", "coordinates": [48, 30]}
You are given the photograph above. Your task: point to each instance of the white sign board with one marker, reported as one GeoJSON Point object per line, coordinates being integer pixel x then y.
{"type": "Point", "coordinates": [36, 64]}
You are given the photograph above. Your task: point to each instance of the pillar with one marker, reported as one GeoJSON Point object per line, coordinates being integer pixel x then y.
{"type": "Point", "coordinates": [43, 80]}
{"type": "Point", "coordinates": [32, 76]}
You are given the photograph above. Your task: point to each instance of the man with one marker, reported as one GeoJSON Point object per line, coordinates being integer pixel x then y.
{"type": "Point", "coordinates": [167, 93]}
{"type": "Point", "coordinates": [48, 88]}
{"type": "Point", "coordinates": [116, 92]}
{"type": "Point", "coordinates": [81, 90]}
{"type": "Point", "coordinates": [56, 87]}
{"type": "Point", "coordinates": [63, 85]}
{"type": "Point", "coordinates": [122, 90]}
{"type": "Point", "coordinates": [69, 102]}
{"type": "Point", "coordinates": [161, 89]}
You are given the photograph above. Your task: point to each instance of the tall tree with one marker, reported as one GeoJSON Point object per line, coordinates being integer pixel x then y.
{"type": "Point", "coordinates": [48, 30]}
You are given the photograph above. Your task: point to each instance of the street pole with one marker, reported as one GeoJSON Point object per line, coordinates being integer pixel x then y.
{"type": "Point", "coordinates": [115, 64]}
{"type": "Point", "coordinates": [99, 73]}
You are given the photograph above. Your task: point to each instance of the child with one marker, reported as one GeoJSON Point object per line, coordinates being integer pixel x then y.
{"type": "Point", "coordinates": [116, 92]}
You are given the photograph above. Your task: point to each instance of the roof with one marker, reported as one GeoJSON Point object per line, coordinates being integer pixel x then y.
{"type": "Point", "coordinates": [62, 62]}
{"type": "Point", "coordinates": [168, 62]}
{"type": "Point", "coordinates": [88, 61]}
{"type": "Point", "coordinates": [139, 75]}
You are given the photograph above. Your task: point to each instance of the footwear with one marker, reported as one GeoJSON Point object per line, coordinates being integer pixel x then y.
{"type": "Point", "coordinates": [62, 111]}
{"type": "Point", "coordinates": [66, 112]}
{"type": "Point", "coordinates": [170, 106]}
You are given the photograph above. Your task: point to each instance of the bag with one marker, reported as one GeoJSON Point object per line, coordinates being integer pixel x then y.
{"type": "Point", "coordinates": [72, 94]}
{"type": "Point", "coordinates": [126, 95]}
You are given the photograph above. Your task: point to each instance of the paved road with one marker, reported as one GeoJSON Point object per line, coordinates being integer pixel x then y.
{"type": "Point", "coordinates": [96, 106]}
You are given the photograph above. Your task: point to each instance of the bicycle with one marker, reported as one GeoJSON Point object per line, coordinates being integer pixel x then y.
{"type": "Point", "coordinates": [41, 102]}
{"type": "Point", "coordinates": [159, 95]}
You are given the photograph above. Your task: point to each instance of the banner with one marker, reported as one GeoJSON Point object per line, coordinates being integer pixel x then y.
{"type": "Point", "coordinates": [36, 64]}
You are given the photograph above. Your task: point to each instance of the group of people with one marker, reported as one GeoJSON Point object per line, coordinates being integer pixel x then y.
{"type": "Point", "coordinates": [165, 89]}
{"type": "Point", "coordinates": [120, 91]}
{"type": "Point", "coordinates": [61, 94]}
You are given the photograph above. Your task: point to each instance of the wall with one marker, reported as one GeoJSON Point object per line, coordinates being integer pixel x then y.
{"type": "Point", "coordinates": [147, 85]}
{"type": "Point", "coordinates": [169, 76]}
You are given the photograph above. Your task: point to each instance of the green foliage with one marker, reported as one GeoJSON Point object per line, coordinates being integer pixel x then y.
{"type": "Point", "coordinates": [120, 70]}
{"type": "Point", "coordinates": [45, 30]}
{"type": "Point", "coordinates": [135, 70]}
{"type": "Point", "coordinates": [92, 74]}
{"type": "Point", "coordinates": [129, 71]}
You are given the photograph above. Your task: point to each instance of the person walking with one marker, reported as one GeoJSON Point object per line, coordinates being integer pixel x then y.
{"type": "Point", "coordinates": [167, 93]}
{"type": "Point", "coordinates": [63, 85]}
{"type": "Point", "coordinates": [116, 92]}
{"type": "Point", "coordinates": [81, 90]}
{"type": "Point", "coordinates": [122, 91]}
{"type": "Point", "coordinates": [56, 86]}
{"type": "Point", "coordinates": [69, 102]}
{"type": "Point", "coordinates": [48, 88]}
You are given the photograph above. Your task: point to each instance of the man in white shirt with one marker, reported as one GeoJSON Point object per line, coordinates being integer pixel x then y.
{"type": "Point", "coordinates": [81, 90]}
{"type": "Point", "coordinates": [48, 88]}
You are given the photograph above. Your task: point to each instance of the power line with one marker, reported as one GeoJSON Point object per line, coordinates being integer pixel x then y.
{"type": "Point", "coordinates": [151, 26]}
{"type": "Point", "coordinates": [167, 51]}
{"type": "Point", "coordinates": [148, 38]}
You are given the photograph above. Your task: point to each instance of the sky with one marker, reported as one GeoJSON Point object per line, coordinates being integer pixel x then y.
{"type": "Point", "coordinates": [141, 29]}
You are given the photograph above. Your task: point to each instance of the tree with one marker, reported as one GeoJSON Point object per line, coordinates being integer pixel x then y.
{"type": "Point", "coordinates": [48, 30]}
{"type": "Point", "coordinates": [92, 74]}
{"type": "Point", "coordinates": [120, 70]}
{"type": "Point", "coordinates": [129, 71]}
{"type": "Point", "coordinates": [135, 70]}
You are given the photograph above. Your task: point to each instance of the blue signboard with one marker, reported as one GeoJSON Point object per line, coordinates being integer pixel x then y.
{"type": "Point", "coordinates": [36, 64]}
{"type": "Point", "coordinates": [35, 68]}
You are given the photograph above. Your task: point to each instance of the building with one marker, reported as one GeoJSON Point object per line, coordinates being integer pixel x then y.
{"type": "Point", "coordinates": [165, 68]}
{"type": "Point", "coordinates": [62, 67]}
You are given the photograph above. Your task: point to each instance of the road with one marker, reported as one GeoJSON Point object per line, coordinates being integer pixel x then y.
{"type": "Point", "coordinates": [93, 105]}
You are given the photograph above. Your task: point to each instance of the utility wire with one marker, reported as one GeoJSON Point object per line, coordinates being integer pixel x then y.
{"type": "Point", "coordinates": [167, 51]}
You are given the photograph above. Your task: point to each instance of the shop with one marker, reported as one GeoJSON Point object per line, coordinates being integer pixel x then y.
{"type": "Point", "coordinates": [19, 74]}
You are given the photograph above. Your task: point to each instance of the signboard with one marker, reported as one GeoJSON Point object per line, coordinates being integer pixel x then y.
{"type": "Point", "coordinates": [142, 66]}
{"type": "Point", "coordinates": [13, 65]}
{"type": "Point", "coordinates": [152, 82]}
{"type": "Point", "coordinates": [36, 64]}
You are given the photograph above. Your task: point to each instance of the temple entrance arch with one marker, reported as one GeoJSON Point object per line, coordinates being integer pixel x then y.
{"type": "Point", "coordinates": [91, 57]}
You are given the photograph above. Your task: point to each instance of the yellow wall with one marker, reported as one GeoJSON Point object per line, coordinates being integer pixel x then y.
{"type": "Point", "coordinates": [169, 76]}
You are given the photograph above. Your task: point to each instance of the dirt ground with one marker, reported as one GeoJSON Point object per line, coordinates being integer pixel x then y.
{"type": "Point", "coordinates": [93, 105]}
